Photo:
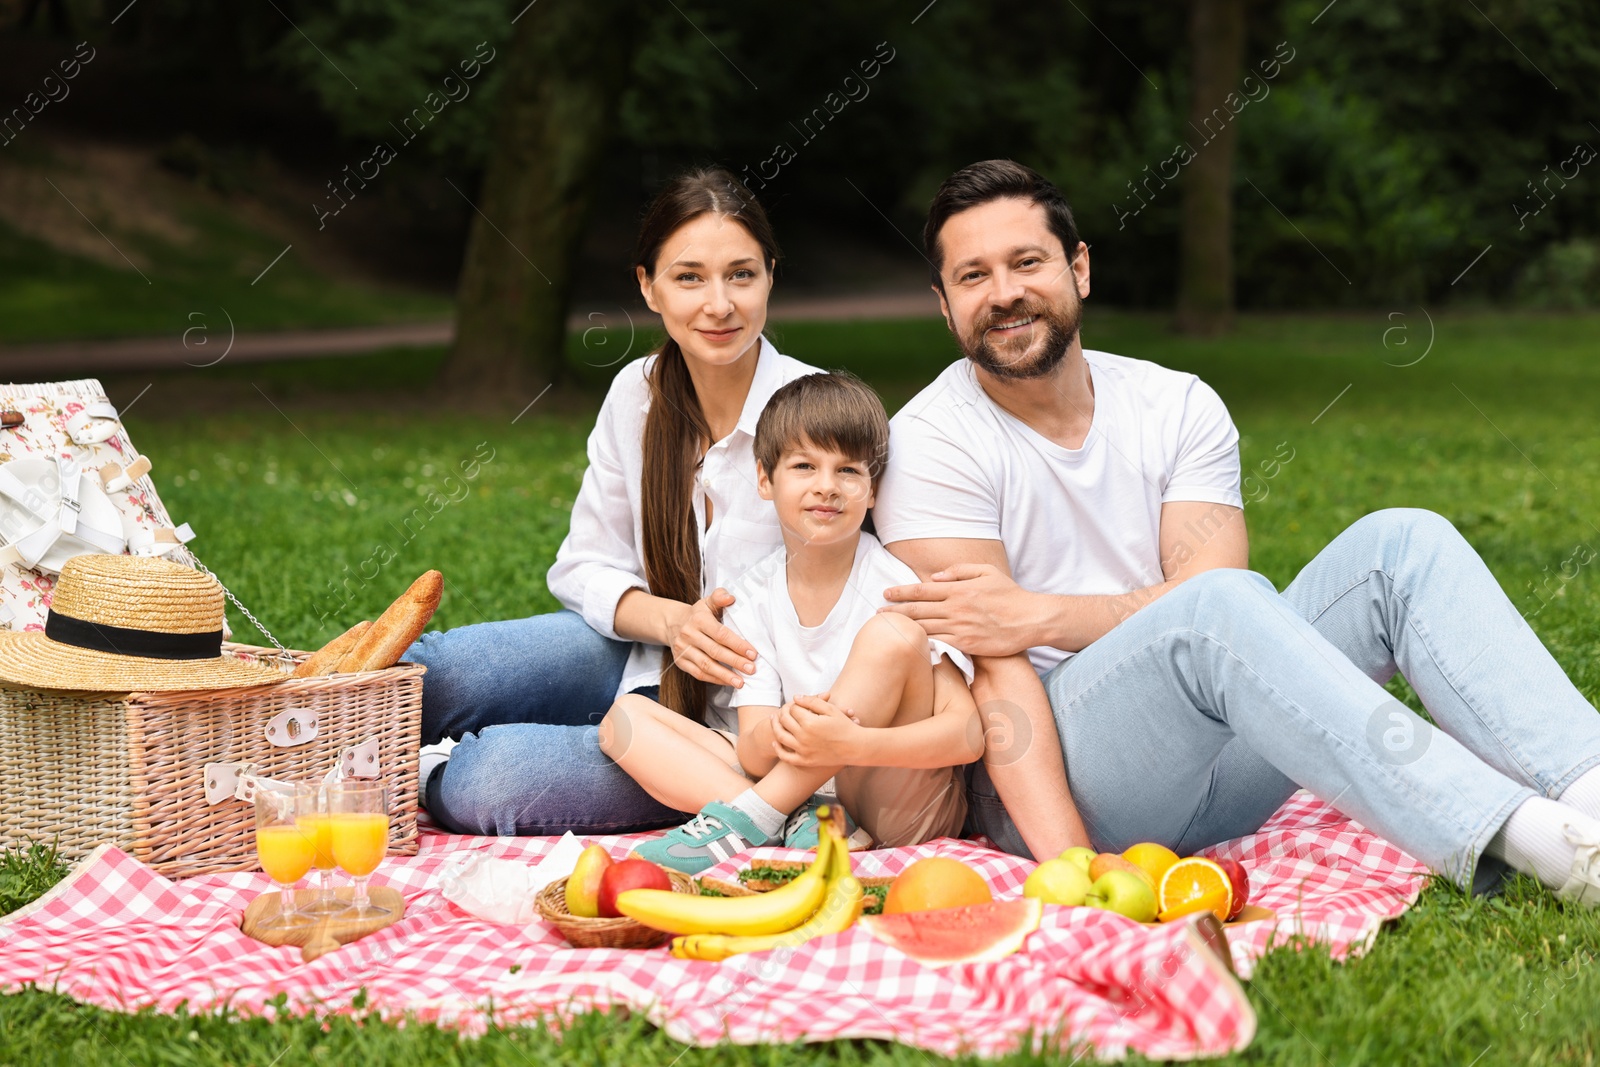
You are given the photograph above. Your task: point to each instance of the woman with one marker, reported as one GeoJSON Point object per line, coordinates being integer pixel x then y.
{"type": "Point", "coordinates": [667, 515]}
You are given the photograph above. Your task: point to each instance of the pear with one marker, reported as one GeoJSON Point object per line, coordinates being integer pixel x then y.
{"type": "Point", "coordinates": [1058, 881]}
{"type": "Point", "coordinates": [1126, 893]}
{"type": "Point", "coordinates": [583, 884]}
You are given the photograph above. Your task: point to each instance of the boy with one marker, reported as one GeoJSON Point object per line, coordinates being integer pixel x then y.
{"type": "Point", "coordinates": [839, 691]}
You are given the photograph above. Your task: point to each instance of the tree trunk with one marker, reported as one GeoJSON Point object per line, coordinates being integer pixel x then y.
{"type": "Point", "coordinates": [1205, 279]}
{"type": "Point", "coordinates": [567, 65]}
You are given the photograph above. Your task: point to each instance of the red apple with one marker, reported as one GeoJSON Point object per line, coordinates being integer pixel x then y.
{"type": "Point", "coordinates": [625, 875]}
{"type": "Point", "coordinates": [1241, 885]}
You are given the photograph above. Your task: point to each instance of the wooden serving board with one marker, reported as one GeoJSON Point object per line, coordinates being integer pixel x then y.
{"type": "Point", "coordinates": [326, 933]}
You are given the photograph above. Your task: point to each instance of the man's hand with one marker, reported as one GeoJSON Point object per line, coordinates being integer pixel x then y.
{"type": "Point", "coordinates": [810, 731]}
{"type": "Point", "coordinates": [974, 606]}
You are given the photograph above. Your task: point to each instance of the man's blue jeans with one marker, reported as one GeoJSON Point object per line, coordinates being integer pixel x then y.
{"type": "Point", "coordinates": [524, 697]}
{"type": "Point", "coordinates": [1198, 716]}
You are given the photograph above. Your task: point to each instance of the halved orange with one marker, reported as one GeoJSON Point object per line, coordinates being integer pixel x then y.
{"type": "Point", "coordinates": [1192, 885]}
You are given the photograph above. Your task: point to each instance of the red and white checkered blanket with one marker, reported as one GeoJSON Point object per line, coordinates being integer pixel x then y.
{"type": "Point", "coordinates": [118, 935]}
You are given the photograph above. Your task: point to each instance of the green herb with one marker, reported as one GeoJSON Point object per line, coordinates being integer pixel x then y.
{"type": "Point", "coordinates": [875, 898]}
{"type": "Point", "coordinates": [776, 875]}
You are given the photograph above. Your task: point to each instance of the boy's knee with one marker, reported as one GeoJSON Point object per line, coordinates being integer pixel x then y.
{"type": "Point", "coordinates": [892, 636]}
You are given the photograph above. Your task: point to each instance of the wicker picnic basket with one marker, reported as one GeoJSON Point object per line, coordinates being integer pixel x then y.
{"type": "Point", "coordinates": [583, 932]}
{"type": "Point", "coordinates": [83, 769]}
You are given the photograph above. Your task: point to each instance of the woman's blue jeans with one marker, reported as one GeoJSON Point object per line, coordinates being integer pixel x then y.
{"type": "Point", "coordinates": [524, 696]}
{"type": "Point", "coordinates": [1198, 716]}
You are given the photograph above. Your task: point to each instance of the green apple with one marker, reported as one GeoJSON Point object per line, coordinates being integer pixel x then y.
{"type": "Point", "coordinates": [1057, 881]}
{"type": "Point", "coordinates": [583, 884]}
{"type": "Point", "coordinates": [1079, 857]}
{"type": "Point", "coordinates": [1125, 893]}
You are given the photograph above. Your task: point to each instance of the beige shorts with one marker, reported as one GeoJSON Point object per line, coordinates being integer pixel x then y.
{"type": "Point", "coordinates": [903, 805]}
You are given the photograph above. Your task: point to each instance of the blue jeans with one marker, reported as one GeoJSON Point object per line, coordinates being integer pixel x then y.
{"type": "Point", "coordinates": [1198, 716]}
{"type": "Point", "coordinates": [524, 697]}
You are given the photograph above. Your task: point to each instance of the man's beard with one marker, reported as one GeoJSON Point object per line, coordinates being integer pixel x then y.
{"type": "Point", "coordinates": [1060, 326]}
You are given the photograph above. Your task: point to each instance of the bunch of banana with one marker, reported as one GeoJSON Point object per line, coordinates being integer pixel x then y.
{"type": "Point", "coordinates": [826, 899]}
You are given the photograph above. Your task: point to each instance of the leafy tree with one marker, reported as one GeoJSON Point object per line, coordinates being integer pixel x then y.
{"type": "Point", "coordinates": [1205, 272]}
{"type": "Point", "coordinates": [567, 66]}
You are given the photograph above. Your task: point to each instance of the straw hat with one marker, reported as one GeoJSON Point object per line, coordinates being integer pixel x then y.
{"type": "Point", "coordinates": [129, 623]}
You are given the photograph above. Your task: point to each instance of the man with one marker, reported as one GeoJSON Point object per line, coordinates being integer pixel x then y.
{"type": "Point", "coordinates": [1076, 522]}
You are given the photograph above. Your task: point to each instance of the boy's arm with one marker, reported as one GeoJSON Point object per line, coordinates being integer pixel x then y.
{"type": "Point", "coordinates": [813, 732]}
{"type": "Point", "coordinates": [756, 750]}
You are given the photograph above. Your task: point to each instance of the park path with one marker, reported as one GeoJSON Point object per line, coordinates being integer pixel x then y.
{"type": "Point", "coordinates": [71, 359]}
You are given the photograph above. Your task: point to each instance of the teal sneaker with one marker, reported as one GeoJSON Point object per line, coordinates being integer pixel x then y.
{"type": "Point", "coordinates": [716, 834]}
{"type": "Point", "coordinates": [801, 829]}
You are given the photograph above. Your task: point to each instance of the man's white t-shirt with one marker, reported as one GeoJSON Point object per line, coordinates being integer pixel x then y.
{"type": "Point", "coordinates": [1083, 521]}
{"type": "Point", "coordinates": [794, 660]}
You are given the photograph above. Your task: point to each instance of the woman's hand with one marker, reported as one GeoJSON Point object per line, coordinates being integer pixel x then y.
{"type": "Point", "coordinates": [705, 649]}
{"type": "Point", "coordinates": [810, 731]}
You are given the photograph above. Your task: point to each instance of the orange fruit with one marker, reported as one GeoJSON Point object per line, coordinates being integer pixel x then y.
{"type": "Point", "coordinates": [936, 882]}
{"type": "Point", "coordinates": [1151, 858]}
{"type": "Point", "coordinates": [1192, 885]}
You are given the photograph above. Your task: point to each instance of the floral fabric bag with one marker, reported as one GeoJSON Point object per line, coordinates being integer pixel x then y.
{"type": "Point", "coordinates": [70, 482]}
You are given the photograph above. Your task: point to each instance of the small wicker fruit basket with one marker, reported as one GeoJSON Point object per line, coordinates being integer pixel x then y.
{"type": "Point", "coordinates": [603, 933]}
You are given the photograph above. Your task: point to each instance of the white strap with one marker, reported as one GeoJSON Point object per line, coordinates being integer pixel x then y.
{"type": "Point", "coordinates": [30, 498]}
{"type": "Point", "coordinates": [71, 480]}
{"type": "Point", "coordinates": [97, 422]}
{"type": "Point", "coordinates": [30, 548]}
{"type": "Point", "coordinates": [159, 542]}
{"type": "Point", "coordinates": [115, 477]}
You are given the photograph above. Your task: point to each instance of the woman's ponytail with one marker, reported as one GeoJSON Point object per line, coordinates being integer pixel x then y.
{"type": "Point", "coordinates": [675, 432]}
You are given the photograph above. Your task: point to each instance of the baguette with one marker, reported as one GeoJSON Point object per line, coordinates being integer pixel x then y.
{"type": "Point", "coordinates": [400, 624]}
{"type": "Point", "coordinates": [325, 660]}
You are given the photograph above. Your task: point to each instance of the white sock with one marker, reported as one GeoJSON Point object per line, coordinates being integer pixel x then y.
{"type": "Point", "coordinates": [766, 817]}
{"type": "Point", "coordinates": [1534, 842]}
{"type": "Point", "coordinates": [1584, 794]}
{"type": "Point", "coordinates": [429, 759]}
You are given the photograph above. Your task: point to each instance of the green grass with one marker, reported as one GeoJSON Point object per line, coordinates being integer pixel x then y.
{"type": "Point", "coordinates": [47, 295]}
{"type": "Point", "coordinates": [1493, 429]}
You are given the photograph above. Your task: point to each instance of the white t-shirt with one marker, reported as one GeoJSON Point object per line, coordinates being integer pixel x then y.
{"type": "Point", "coordinates": [602, 556]}
{"type": "Point", "coordinates": [794, 660]}
{"type": "Point", "coordinates": [1083, 521]}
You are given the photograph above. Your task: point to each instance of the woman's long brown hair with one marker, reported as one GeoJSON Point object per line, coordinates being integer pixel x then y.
{"type": "Point", "coordinates": [675, 430]}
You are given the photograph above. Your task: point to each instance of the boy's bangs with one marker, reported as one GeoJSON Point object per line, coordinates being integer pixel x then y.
{"type": "Point", "coordinates": [835, 410]}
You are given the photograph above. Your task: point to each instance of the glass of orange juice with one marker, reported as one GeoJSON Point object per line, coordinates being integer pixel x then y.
{"type": "Point", "coordinates": [285, 849]}
{"type": "Point", "coordinates": [359, 817]}
{"type": "Point", "coordinates": [317, 819]}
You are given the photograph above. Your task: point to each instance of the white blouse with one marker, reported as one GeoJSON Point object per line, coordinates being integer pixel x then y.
{"type": "Point", "coordinates": [602, 556]}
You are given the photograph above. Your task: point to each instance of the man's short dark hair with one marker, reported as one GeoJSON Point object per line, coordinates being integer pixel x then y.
{"type": "Point", "coordinates": [995, 179]}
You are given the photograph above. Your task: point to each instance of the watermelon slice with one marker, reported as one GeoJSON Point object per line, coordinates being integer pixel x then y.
{"type": "Point", "coordinates": [975, 933]}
